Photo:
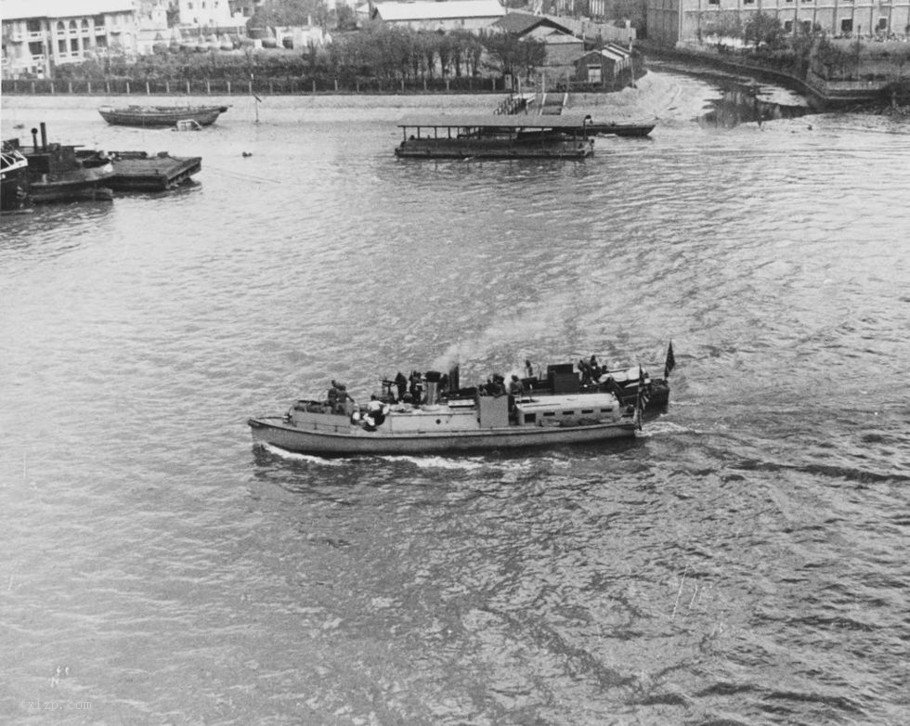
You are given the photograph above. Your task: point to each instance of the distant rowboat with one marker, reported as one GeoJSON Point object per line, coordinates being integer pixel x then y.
{"type": "Point", "coordinates": [160, 116]}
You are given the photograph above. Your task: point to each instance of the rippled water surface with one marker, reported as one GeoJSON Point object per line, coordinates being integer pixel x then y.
{"type": "Point", "coordinates": [743, 561]}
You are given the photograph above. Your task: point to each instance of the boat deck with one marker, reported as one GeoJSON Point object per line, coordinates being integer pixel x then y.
{"type": "Point", "coordinates": [137, 171]}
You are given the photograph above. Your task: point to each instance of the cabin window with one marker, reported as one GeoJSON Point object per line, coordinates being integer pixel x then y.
{"type": "Point", "coordinates": [549, 413]}
{"type": "Point", "coordinates": [568, 413]}
{"type": "Point", "coordinates": [587, 410]}
{"type": "Point", "coordinates": [606, 410]}
{"type": "Point", "coordinates": [530, 417]}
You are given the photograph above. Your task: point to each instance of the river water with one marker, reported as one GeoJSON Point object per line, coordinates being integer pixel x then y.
{"type": "Point", "coordinates": [743, 561]}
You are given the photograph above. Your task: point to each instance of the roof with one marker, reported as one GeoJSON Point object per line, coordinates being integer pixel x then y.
{"type": "Point", "coordinates": [521, 23]}
{"type": "Point", "coordinates": [518, 121]}
{"type": "Point", "coordinates": [606, 53]}
{"type": "Point", "coordinates": [16, 9]}
{"type": "Point", "coordinates": [429, 10]}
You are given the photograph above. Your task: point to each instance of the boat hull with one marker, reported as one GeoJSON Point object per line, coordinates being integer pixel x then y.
{"type": "Point", "coordinates": [13, 190]}
{"type": "Point", "coordinates": [82, 184]}
{"type": "Point", "coordinates": [491, 149]}
{"type": "Point", "coordinates": [161, 117]}
{"type": "Point", "coordinates": [611, 129]}
{"type": "Point", "coordinates": [347, 441]}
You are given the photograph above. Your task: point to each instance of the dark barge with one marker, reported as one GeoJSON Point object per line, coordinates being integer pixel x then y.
{"type": "Point", "coordinates": [136, 171]}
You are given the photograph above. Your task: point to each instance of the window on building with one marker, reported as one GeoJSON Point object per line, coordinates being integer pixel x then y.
{"type": "Point", "coordinates": [846, 25]}
{"type": "Point", "coordinates": [882, 24]}
{"type": "Point", "coordinates": [36, 48]}
{"type": "Point", "coordinates": [788, 26]}
{"type": "Point", "coordinates": [61, 28]}
{"type": "Point", "coordinates": [61, 46]}
{"type": "Point", "coordinates": [73, 26]}
{"type": "Point", "coordinates": [713, 2]}
{"type": "Point", "coordinates": [74, 46]}
{"type": "Point", "coordinates": [84, 24]}
{"type": "Point", "coordinates": [101, 41]}
{"type": "Point", "coordinates": [33, 26]}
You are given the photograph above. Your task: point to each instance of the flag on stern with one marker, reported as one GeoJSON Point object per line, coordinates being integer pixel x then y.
{"type": "Point", "coordinates": [641, 395]}
{"type": "Point", "coordinates": [671, 361]}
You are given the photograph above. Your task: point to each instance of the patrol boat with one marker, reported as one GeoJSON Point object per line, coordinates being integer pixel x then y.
{"type": "Point", "coordinates": [454, 421]}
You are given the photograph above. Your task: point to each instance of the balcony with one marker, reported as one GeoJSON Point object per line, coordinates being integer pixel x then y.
{"type": "Point", "coordinates": [27, 36]}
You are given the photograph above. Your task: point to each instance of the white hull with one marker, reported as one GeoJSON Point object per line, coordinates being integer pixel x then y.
{"type": "Point", "coordinates": [348, 440]}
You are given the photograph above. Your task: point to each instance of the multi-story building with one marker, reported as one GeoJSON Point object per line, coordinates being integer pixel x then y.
{"type": "Point", "coordinates": [672, 21]}
{"type": "Point", "coordinates": [39, 35]}
{"type": "Point", "coordinates": [205, 13]}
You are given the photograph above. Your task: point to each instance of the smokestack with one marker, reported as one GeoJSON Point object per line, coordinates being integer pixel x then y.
{"type": "Point", "coordinates": [43, 136]}
{"type": "Point", "coordinates": [35, 139]}
{"type": "Point", "coordinates": [432, 378]}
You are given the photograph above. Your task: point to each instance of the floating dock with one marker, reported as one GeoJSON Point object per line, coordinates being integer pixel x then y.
{"type": "Point", "coordinates": [136, 171]}
{"type": "Point", "coordinates": [495, 136]}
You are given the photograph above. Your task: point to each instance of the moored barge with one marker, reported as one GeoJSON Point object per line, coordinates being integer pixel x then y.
{"type": "Point", "coordinates": [495, 136]}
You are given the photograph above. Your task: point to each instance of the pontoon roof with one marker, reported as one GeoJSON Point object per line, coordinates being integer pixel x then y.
{"type": "Point", "coordinates": [517, 121]}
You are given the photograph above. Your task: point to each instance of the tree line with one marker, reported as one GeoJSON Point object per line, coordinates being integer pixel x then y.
{"type": "Point", "coordinates": [376, 52]}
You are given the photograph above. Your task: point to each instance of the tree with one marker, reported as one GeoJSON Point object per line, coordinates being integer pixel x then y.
{"type": "Point", "coordinates": [513, 54]}
{"type": "Point", "coordinates": [761, 28]}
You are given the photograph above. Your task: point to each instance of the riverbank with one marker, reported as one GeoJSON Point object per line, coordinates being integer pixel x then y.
{"type": "Point", "coordinates": [823, 94]}
{"type": "Point", "coordinates": [655, 95]}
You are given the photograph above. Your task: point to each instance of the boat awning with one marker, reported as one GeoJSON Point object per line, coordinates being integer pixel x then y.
{"type": "Point", "coordinates": [494, 121]}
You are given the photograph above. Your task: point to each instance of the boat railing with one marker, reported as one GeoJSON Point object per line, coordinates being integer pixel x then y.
{"type": "Point", "coordinates": [13, 159]}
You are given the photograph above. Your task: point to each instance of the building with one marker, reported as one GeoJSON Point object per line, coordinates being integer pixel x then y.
{"type": "Point", "coordinates": [562, 47]}
{"type": "Point", "coordinates": [674, 21]}
{"type": "Point", "coordinates": [205, 13]}
{"type": "Point", "coordinates": [603, 67]}
{"type": "Point", "coordinates": [245, 8]}
{"type": "Point", "coordinates": [151, 24]}
{"type": "Point", "coordinates": [472, 15]}
{"type": "Point", "coordinates": [39, 35]}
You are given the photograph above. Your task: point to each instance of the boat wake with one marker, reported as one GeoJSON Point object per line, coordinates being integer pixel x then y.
{"type": "Point", "coordinates": [294, 456]}
{"type": "Point", "coordinates": [662, 428]}
{"type": "Point", "coordinates": [438, 462]}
